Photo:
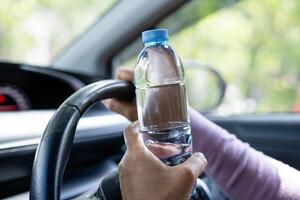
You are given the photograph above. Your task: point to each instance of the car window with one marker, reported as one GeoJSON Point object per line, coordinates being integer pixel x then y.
{"type": "Point", "coordinates": [254, 45]}
{"type": "Point", "coordinates": [33, 31]}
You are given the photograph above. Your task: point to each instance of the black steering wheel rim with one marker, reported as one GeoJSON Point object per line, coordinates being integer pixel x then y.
{"type": "Point", "coordinates": [55, 146]}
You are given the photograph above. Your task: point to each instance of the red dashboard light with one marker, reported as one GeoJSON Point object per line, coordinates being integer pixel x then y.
{"type": "Point", "coordinates": [2, 98]}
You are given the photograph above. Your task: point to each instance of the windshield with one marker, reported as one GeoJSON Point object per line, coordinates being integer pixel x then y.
{"type": "Point", "coordinates": [34, 31]}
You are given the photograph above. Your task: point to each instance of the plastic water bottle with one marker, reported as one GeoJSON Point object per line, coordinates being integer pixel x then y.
{"type": "Point", "coordinates": [162, 100]}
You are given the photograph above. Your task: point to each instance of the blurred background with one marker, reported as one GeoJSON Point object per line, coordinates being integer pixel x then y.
{"type": "Point", "coordinates": [253, 44]}
{"type": "Point", "coordinates": [34, 31]}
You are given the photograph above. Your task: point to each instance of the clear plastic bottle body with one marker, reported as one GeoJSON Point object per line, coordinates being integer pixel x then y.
{"type": "Point", "coordinates": [162, 103]}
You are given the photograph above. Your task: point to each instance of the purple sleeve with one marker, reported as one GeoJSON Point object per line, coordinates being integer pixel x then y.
{"type": "Point", "coordinates": [239, 170]}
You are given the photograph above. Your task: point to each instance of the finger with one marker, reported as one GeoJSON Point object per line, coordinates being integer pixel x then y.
{"type": "Point", "coordinates": [132, 137]}
{"type": "Point", "coordinates": [115, 105]}
{"type": "Point", "coordinates": [124, 74]}
{"type": "Point", "coordinates": [127, 109]}
{"type": "Point", "coordinates": [106, 103]}
{"type": "Point", "coordinates": [194, 165]}
{"type": "Point", "coordinates": [163, 151]}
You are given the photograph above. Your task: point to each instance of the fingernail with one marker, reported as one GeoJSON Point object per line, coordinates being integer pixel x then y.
{"type": "Point", "coordinates": [134, 124]}
{"type": "Point", "coordinates": [200, 156]}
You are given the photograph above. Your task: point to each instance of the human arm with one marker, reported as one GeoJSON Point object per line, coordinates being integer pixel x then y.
{"type": "Point", "coordinates": [239, 170]}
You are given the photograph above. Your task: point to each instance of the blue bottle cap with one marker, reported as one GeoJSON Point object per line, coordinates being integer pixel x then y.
{"type": "Point", "coordinates": [155, 35]}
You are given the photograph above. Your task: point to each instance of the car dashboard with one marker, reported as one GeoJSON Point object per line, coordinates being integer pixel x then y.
{"type": "Point", "coordinates": [29, 96]}
{"type": "Point", "coordinates": [25, 87]}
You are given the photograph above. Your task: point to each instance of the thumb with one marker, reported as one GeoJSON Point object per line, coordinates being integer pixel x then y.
{"type": "Point", "coordinates": [194, 165]}
{"type": "Point", "coordinates": [132, 137]}
{"type": "Point", "coordinates": [124, 74]}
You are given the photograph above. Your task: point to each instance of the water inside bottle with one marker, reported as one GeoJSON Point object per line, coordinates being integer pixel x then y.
{"type": "Point", "coordinates": [171, 148]}
{"type": "Point", "coordinates": [164, 121]}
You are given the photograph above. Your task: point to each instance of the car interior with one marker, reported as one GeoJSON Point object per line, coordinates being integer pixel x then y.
{"type": "Point", "coordinates": [31, 96]}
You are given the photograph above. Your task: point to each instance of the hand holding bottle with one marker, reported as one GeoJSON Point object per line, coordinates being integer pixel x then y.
{"type": "Point", "coordinates": [144, 176]}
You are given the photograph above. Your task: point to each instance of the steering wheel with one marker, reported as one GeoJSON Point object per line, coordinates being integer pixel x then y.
{"type": "Point", "coordinates": [55, 146]}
